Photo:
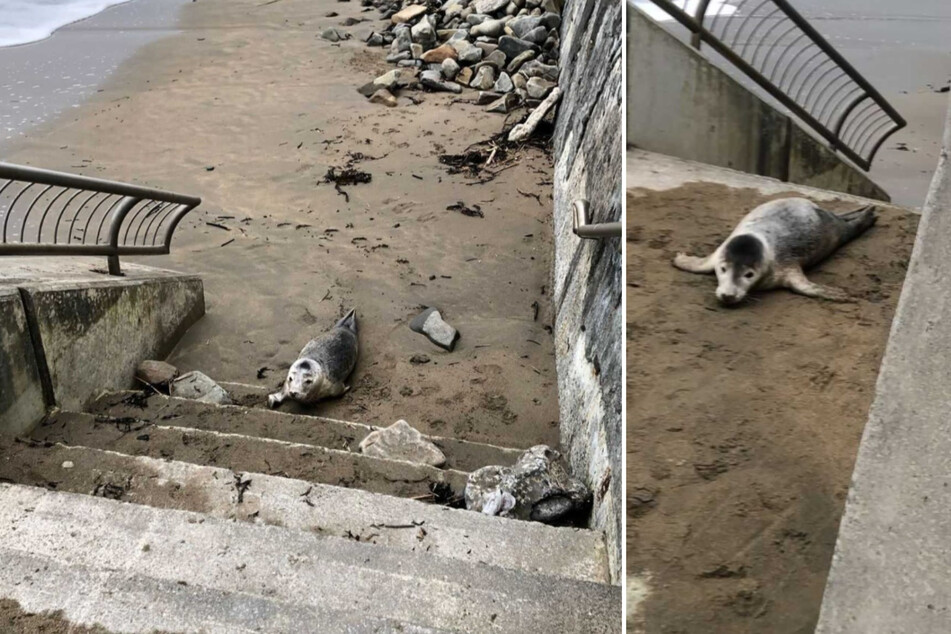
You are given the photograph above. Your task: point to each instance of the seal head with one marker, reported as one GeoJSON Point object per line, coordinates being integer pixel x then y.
{"type": "Point", "coordinates": [742, 265]}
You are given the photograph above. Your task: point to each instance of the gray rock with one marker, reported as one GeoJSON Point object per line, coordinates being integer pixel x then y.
{"type": "Point", "coordinates": [424, 33]}
{"type": "Point", "coordinates": [416, 50]}
{"type": "Point", "coordinates": [477, 18]}
{"type": "Point", "coordinates": [384, 97]}
{"type": "Point", "coordinates": [430, 323]}
{"type": "Point", "coordinates": [374, 39]}
{"type": "Point", "coordinates": [403, 40]}
{"type": "Point", "coordinates": [333, 35]}
{"type": "Point", "coordinates": [550, 21]}
{"type": "Point", "coordinates": [538, 35]}
{"type": "Point", "coordinates": [486, 98]}
{"type": "Point", "coordinates": [198, 387]}
{"type": "Point", "coordinates": [489, 6]}
{"type": "Point", "coordinates": [400, 441]}
{"type": "Point", "coordinates": [388, 80]}
{"type": "Point", "coordinates": [522, 25]}
{"type": "Point", "coordinates": [450, 68]}
{"type": "Point", "coordinates": [393, 58]}
{"type": "Point", "coordinates": [433, 80]}
{"type": "Point", "coordinates": [367, 90]}
{"type": "Point", "coordinates": [504, 104]}
{"type": "Point", "coordinates": [468, 52]}
{"type": "Point", "coordinates": [484, 78]}
{"type": "Point", "coordinates": [553, 6]}
{"type": "Point", "coordinates": [503, 83]}
{"type": "Point", "coordinates": [538, 88]}
{"type": "Point", "coordinates": [496, 58]}
{"type": "Point", "coordinates": [157, 373]}
{"type": "Point", "coordinates": [513, 47]}
{"type": "Point", "coordinates": [535, 68]}
{"type": "Point", "coordinates": [538, 483]}
{"type": "Point", "coordinates": [516, 63]}
{"type": "Point", "coordinates": [489, 28]}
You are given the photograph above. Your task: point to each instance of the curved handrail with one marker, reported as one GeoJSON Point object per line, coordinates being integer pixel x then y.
{"type": "Point", "coordinates": [124, 204]}
{"type": "Point", "coordinates": [815, 62]}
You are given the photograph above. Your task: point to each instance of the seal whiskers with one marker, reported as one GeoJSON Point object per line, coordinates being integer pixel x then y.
{"type": "Point", "coordinates": [773, 245]}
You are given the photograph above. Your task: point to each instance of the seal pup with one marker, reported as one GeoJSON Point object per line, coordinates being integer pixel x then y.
{"type": "Point", "coordinates": [322, 366]}
{"type": "Point", "coordinates": [774, 243]}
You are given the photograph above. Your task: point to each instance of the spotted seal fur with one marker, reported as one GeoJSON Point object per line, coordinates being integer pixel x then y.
{"type": "Point", "coordinates": [773, 245]}
{"type": "Point", "coordinates": [322, 367]}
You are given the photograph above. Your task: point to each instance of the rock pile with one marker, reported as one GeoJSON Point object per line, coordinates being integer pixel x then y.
{"type": "Point", "coordinates": [505, 49]}
{"type": "Point", "coordinates": [537, 488]}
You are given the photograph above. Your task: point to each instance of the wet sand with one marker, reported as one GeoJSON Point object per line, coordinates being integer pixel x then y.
{"type": "Point", "coordinates": [904, 50]}
{"type": "Point", "coordinates": [248, 108]}
{"type": "Point", "coordinates": [44, 79]}
{"type": "Point", "coordinates": [744, 424]}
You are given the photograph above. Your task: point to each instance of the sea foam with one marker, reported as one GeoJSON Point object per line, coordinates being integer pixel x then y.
{"type": "Point", "coordinates": [25, 21]}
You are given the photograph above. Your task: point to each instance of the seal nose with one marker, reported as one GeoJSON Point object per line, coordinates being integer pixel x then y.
{"type": "Point", "coordinates": [727, 298]}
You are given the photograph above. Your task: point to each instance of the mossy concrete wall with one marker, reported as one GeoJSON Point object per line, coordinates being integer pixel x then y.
{"type": "Point", "coordinates": [91, 335]}
{"type": "Point", "coordinates": [680, 104]}
{"type": "Point", "coordinates": [21, 392]}
{"type": "Point", "coordinates": [587, 273]}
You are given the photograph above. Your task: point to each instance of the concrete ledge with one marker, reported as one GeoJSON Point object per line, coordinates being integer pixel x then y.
{"type": "Point", "coordinates": [890, 571]}
{"type": "Point", "coordinates": [22, 403]}
{"type": "Point", "coordinates": [93, 332]}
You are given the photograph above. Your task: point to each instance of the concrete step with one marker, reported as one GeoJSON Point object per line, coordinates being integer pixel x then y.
{"type": "Point", "coordinates": [102, 561]}
{"type": "Point", "coordinates": [323, 509]}
{"type": "Point", "coordinates": [245, 453]}
{"type": "Point", "coordinates": [265, 423]}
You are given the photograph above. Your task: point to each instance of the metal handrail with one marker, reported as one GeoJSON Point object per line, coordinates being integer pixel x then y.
{"type": "Point", "coordinates": [43, 212]}
{"type": "Point", "coordinates": [789, 59]}
{"type": "Point", "coordinates": [597, 231]}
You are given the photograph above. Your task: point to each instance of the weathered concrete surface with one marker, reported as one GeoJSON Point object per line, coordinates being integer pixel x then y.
{"type": "Point", "coordinates": [650, 170]}
{"type": "Point", "coordinates": [890, 572]}
{"type": "Point", "coordinates": [296, 428]}
{"type": "Point", "coordinates": [22, 404]}
{"type": "Point", "coordinates": [95, 555]}
{"type": "Point", "coordinates": [93, 332]}
{"type": "Point", "coordinates": [680, 104]}
{"type": "Point", "coordinates": [587, 274]}
{"type": "Point", "coordinates": [246, 453]}
{"type": "Point", "coordinates": [327, 510]}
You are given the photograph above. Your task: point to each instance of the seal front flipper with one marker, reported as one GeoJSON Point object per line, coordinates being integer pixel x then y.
{"type": "Point", "coordinates": [796, 281]}
{"type": "Point", "coordinates": [693, 264]}
{"type": "Point", "coordinates": [274, 400]}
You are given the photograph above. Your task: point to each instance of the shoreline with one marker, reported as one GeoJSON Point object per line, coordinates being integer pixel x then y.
{"type": "Point", "coordinates": [47, 78]}
{"type": "Point", "coordinates": [248, 108]}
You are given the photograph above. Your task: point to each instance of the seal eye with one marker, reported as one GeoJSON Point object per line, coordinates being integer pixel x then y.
{"type": "Point", "coordinates": [748, 275]}
{"type": "Point", "coordinates": [723, 269]}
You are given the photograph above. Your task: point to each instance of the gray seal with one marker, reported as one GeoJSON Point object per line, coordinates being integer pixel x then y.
{"type": "Point", "coordinates": [772, 246]}
{"type": "Point", "coordinates": [322, 367]}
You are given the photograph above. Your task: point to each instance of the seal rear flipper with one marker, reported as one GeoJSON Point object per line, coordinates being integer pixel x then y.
{"type": "Point", "coordinates": [858, 221]}
{"type": "Point", "coordinates": [349, 321]}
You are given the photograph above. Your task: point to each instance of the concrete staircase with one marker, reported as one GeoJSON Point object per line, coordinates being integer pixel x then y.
{"type": "Point", "coordinates": [152, 513]}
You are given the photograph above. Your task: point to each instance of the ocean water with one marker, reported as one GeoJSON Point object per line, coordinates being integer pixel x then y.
{"type": "Point", "coordinates": [25, 21]}
{"type": "Point", "coordinates": [716, 7]}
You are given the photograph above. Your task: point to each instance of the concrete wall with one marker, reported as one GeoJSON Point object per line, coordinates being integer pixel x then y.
{"type": "Point", "coordinates": [680, 104]}
{"type": "Point", "coordinates": [63, 342]}
{"type": "Point", "coordinates": [21, 392]}
{"type": "Point", "coordinates": [892, 557]}
{"type": "Point", "coordinates": [93, 334]}
{"type": "Point", "coordinates": [587, 273]}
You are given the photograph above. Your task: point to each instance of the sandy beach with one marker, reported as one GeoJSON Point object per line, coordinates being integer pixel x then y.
{"type": "Point", "coordinates": [248, 108]}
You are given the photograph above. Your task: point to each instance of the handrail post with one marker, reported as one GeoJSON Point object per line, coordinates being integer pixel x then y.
{"type": "Point", "coordinates": [115, 224]}
{"type": "Point", "coordinates": [701, 13]}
